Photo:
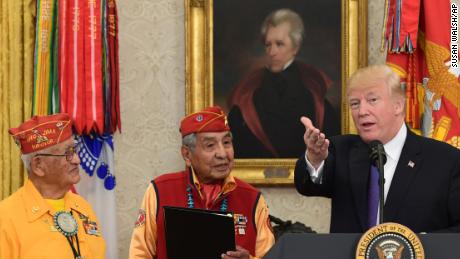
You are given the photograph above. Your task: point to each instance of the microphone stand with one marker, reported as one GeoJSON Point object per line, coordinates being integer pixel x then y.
{"type": "Point", "coordinates": [380, 164]}
{"type": "Point", "coordinates": [379, 158]}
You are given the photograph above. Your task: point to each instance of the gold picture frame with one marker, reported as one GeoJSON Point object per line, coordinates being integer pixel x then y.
{"type": "Point", "coordinates": [199, 26]}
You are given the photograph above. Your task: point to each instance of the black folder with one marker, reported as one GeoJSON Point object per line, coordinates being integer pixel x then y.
{"type": "Point", "coordinates": [196, 233]}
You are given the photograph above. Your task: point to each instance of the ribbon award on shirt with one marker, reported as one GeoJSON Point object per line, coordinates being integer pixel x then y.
{"type": "Point", "coordinates": [240, 224]}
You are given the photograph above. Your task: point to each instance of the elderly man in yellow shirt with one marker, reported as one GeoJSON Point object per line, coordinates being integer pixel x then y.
{"type": "Point", "coordinates": [43, 219]}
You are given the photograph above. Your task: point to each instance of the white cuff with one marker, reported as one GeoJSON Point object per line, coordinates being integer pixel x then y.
{"type": "Point", "coordinates": [315, 174]}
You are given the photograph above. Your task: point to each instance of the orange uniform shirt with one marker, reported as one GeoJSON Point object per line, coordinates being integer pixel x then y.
{"type": "Point", "coordinates": [27, 229]}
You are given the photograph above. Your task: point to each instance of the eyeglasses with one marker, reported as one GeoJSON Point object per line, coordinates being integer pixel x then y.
{"type": "Point", "coordinates": [69, 153]}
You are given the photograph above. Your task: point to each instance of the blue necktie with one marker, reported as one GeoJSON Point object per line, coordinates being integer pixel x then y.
{"type": "Point", "coordinates": [373, 197]}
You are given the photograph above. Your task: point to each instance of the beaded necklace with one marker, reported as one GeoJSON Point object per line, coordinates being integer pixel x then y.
{"type": "Point", "coordinates": [191, 203]}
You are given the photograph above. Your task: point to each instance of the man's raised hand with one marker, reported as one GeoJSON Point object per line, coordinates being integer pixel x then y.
{"type": "Point", "coordinates": [316, 143]}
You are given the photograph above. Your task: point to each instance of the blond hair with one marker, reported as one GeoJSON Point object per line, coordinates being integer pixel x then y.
{"type": "Point", "coordinates": [376, 74]}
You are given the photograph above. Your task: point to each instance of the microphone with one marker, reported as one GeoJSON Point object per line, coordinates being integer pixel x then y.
{"type": "Point", "coordinates": [379, 158]}
{"type": "Point", "coordinates": [377, 153]}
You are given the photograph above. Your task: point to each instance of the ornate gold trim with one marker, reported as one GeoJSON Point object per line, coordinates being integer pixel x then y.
{"type": "Point", "coordinates": [199, 77]}
{"type": "Point", "coordinates": [197, 3]}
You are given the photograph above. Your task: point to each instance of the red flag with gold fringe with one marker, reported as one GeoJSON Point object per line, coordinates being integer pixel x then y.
{"type": "Point", "coordinates": [417, 34]}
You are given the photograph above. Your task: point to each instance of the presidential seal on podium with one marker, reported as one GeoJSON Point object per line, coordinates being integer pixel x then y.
{"type": "Point", "coordinates": [389, 241]}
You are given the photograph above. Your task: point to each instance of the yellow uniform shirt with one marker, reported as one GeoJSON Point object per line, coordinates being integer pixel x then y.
{"type": "Point", "coordinates": [143, 241]}
{"type": "Point", "coordinates": [27, 229]}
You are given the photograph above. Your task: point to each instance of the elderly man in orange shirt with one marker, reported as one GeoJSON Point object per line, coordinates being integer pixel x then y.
{"type": "Point", "coordinates": [206, 183]}
{"type": "Point", "coordinates": [43, 219]}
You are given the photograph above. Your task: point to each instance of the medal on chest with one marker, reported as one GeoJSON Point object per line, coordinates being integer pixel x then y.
{"type": "Point", "coordinates": [241, 222]}
{"type": "Point", "coordinates": [89, 226]}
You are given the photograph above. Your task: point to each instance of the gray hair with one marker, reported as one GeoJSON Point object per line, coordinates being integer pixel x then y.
{"type": "Point", "coordinates": [189, 141]}
{"type": "Point", "coordinates": [27, 159]}
{"type": "Point", "coordinates": [285, 16]}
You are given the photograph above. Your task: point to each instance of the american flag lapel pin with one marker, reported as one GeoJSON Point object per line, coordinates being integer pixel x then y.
{"type": "Point", "coordinates": [411, 164]}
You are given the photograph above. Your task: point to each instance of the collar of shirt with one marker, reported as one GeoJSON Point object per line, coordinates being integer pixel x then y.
{"type": "Point", "coordinates": [285, 65]}
{"type": "Point", "coordinates": [394, 147]}
{"type": "Point", "coordinates": [36, 205]}
{"type": "Point", "coordinates": [228, 184]}
{"type": "Point", "coordinates": [288, 64]}
{"type": "Point", "coordinates": [393, 151]}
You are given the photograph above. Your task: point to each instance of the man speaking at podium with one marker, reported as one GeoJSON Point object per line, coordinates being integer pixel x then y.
{"type": "Point", "coordinates": [422, 175]}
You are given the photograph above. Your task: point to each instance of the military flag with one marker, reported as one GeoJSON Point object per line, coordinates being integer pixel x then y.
{"type": "Point", "coordinates": [421, 36]}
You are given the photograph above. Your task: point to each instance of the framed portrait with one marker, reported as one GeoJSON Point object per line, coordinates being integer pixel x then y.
{"type": "Point", "coordinates": [266, 64]}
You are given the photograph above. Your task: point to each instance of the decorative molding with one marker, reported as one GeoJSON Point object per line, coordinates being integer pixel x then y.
{"type": "Point", "coordinates": [197, 3]}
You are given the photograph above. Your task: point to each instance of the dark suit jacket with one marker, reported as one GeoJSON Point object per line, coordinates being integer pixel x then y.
{"type": "Point", "coordinates": [425, 197]}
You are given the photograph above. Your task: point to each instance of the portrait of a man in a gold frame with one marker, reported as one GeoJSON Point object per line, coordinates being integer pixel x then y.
{"type": "Point", "coordinates": [210, 77]}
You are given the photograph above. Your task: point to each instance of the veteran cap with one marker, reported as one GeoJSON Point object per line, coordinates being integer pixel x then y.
{"type": "Point", "coordinates": [211, 119]}
{"type": "Point", "coordinates": [41, 132]}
